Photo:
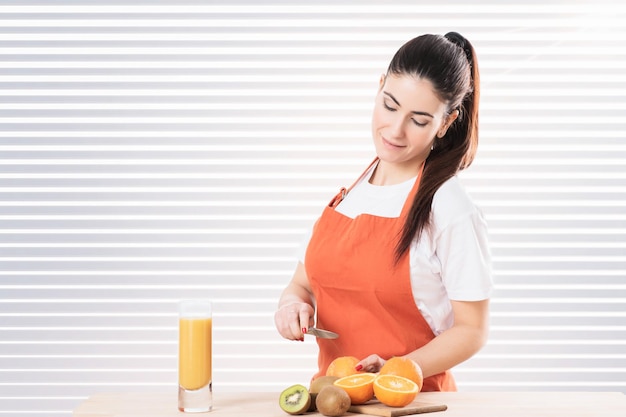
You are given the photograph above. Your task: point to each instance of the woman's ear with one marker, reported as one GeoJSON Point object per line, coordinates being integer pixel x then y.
{"type": "Point", "coordinates": [446, 124]}
{"type": "Point", "coordinates": [381, 82]}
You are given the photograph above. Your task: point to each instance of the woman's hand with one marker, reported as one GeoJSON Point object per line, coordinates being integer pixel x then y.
{"type": "Point", "coordinates": [295, 308]}
{"type": "Point", "coordinates": [372, 363]}
{"type": "Point", "coordinates": [293, 319]}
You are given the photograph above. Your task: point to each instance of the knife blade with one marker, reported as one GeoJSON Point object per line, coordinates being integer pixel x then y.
{"type": "Point", "coordinates": [323, 334]}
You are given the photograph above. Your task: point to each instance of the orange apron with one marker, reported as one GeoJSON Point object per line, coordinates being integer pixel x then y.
{"type": "Point", "coordinates": [361, 294]}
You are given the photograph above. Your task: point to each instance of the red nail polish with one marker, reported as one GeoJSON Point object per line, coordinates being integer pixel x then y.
{"type": "Point", "coordinates": [304, 330]}
{"type": "Point", "coordinates": [358, 367]}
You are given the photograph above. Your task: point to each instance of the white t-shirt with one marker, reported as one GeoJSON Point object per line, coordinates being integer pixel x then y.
{"type": "Point", "coordinates": [451, 261]}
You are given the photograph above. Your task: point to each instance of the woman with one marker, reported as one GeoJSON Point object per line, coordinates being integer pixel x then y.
{"type": "Point", "coordinates": [398, 264]}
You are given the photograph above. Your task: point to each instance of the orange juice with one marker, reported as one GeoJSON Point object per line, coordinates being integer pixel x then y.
{"type": "Point", "coordinates": [194, 355]}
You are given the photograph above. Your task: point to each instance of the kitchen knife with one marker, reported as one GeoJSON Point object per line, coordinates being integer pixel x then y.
{"type": "Point", "coordinates": [324, 334]}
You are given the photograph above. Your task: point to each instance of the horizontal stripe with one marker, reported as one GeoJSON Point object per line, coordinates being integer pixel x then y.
{"type": "Point", "coordinates": [489, 8]}
{"type": "Point", "coordinates": [291, 36]}
{"type": "Point", "coordinates": [279, 106]}
{"type": "Point", "coordinates": [271, 78]}
{"type": "Point", "coordinates": [266, 329]}
{"type": "Point", "coordinates": [313, 203]}
{"type": "Point", "coordinates": [572, 23]}
{"type": "Point", "coordinates": [269, 148]}
{"type": "Point", "coordinates": [356, 64]}
{"type": "Point", "coordinates": [240, 91]}
{"type": "Point", "coordinates": [297, 175]}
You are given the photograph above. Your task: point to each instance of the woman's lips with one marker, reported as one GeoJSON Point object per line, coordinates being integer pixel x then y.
{"type": "Point", "coordinates": [391, 145]}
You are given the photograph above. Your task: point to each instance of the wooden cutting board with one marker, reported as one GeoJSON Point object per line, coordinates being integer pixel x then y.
{"type": "Point", "coordinates": [376, 408]}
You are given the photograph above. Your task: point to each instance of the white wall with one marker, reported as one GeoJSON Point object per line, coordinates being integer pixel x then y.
{"type": "Point", "coordinates": [154, 151]}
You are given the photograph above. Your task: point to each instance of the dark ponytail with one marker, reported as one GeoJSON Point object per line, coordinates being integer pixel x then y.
{"type": "Point", "coordinates": [449, 63]}
{"type": "Point", "coordinates": [469, 105]}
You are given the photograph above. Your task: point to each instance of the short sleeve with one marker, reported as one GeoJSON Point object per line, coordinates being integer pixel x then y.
{"type": "Point", "coordinates": [461, 244]}
{"type": "Point", "coordinates": [463, 250]}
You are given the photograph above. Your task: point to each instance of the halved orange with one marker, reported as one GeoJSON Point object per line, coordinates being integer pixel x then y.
{"type": "Point", "coordinates": [395, 391]}
{"type": "Point", "coordinates": [360, 387]}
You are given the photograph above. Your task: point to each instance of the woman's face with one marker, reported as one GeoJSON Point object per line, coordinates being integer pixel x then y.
{"type": "Point", "coordinates": [407, 118]}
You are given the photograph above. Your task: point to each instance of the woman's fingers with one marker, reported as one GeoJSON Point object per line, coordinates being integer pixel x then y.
{"type": "Point", "coordinates": [306, 319]}
{"type": "Point", "coordinates": [293, 319]}
{"type": "Point", "coordinates": [294, 322]}
{"type": "Point", "coordinates": [372, 363]}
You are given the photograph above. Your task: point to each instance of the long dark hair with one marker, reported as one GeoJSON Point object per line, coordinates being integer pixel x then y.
{"type": "Point", "coordinates": [449, 63]}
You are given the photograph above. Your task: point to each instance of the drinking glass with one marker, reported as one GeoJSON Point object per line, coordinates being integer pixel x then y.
{"type": "Point", "coordinates": [195, 391]}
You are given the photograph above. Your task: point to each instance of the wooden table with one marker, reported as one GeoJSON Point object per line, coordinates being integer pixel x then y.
{"type": "Point", "coordinates": [460, 404]}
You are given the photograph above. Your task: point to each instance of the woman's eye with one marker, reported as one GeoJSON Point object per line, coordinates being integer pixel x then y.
{"type": "Point", "coordinates": [387, 107]}
{"type": "Point", "coordinates": [418, 123]}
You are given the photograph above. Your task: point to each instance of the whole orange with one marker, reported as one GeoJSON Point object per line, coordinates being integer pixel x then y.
{"type": "Point", "coordinates": [404, 367]}
{"type": "Point", "coordinates": [342, 366]}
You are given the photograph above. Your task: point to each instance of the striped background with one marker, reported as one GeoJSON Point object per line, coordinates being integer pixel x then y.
{"type": "Point", "coordinates": [157, 150]}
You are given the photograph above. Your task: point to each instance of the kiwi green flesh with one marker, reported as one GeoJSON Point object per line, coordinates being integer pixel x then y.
{"type": "Point", "coordinates": [295, 399]}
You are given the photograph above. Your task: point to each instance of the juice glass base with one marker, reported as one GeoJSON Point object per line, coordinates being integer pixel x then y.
{"type": "Point", "coordinates": [195, 401]}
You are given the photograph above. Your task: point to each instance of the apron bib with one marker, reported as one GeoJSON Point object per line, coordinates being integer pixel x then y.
{"type": "Point", "coordinates": [361, 293]}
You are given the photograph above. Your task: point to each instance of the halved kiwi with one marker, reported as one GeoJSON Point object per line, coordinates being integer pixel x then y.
{"type": "Point", "coordinates": [295, 399]}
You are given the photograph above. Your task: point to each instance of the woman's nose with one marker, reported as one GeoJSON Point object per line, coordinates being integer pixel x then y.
{"type": "Point", "coordinates": [397, 127]}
